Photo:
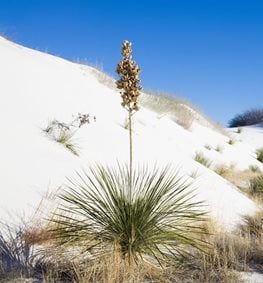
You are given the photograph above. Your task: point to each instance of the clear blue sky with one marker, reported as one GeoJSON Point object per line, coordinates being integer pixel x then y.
{"type": "Point", "coordinates": [208, 51]}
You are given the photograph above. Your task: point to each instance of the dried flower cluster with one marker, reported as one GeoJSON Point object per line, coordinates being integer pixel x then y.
{"type": "Point", "coordinates": [129, 81]}
{"type": "Point", "coordinates": [82, 119]}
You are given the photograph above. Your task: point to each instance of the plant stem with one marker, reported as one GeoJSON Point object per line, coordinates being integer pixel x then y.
{"type": "Point", "coordinates": [130, 141]}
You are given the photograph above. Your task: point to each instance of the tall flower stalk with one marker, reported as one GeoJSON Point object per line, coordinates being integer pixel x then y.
{"type": "Point", "coordinates": [129, 89]}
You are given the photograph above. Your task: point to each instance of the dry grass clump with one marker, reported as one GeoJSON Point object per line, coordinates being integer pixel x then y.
{"type": "Point", "coordinates": [208, 147]}
{"type": "Point", "coordinates": [217, 263]}
{"type": "Point", "coordinates": [252, 229]}
{"type": "Point", "coordinates": [239, 178]}
{"type": "Point", "coordinates": [103, 77]}
{"type": "Point", "coordinates": [219, 148]}
{"type": "Point", "coordinates": [223, 170]}
{"type": "Point", "coordinates": [253, 226]}
{"type": "Point", "coordinates": [178, 109]}
{"type": "Point", "coordinates": [256, 185]}
{"type": "Point", "coordinates": [220, 260]}
{"type": "Point", "coordinates": [62, 135]}
{"type": "Point", "coordinates": [254, 168]}
{"type": "Point", "coordinates": [168, 105]}
{"type": "Point", "coordinates": [227, 254]}
{"type": "Point", "coordinates": [114, 268]}
{"type": "Point", "coordinates": [199, 157]}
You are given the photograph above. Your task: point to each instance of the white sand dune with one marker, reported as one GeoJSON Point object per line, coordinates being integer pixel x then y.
{"type": "Point", "coordinates": [37, 87]}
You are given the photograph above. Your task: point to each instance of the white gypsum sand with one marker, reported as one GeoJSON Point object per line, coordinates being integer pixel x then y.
{"type": "Point", "coordinates": [37, 87]}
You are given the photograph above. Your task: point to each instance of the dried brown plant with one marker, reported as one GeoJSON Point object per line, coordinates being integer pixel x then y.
{"type": "Point", "coordinates": [129, 88]}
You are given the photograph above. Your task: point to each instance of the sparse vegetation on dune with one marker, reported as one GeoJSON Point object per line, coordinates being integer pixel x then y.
{"type": "Point", "coordinates": [63, 133]}
{"type": "Point", "coordinates": [131, 224]}
{"type": "Point", "coordinates": [239, 178]}
{"type": "Point", "coordinates": [220, 259]}
{"type": "Point", "coordinates": [182, 111]}
{"type": "Point", "coordinates": [169, 105]}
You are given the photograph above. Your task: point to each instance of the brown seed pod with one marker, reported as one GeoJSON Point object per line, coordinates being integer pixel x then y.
{"type": "Point", "coordinates": [129, 81]}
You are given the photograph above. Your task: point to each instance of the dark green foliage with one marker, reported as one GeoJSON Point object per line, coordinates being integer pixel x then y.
{"type": "Point", "coordinates": [260, 155]}
{"type": "Point", "coordinates": [250, 117]}
{"type": "Point", "coordinates": [157, 218]}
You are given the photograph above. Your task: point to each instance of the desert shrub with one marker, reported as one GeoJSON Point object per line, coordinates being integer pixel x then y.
{"type": "Point", "coordinates": [225, 254]}
{"type": "Point", "coordinates": [229, 252]}
{"type": "Point", "coordinates": [260, 154]}
{"type": "Point", "coordinates": [102, 216]}
{"type": "Point", "coordinates": [252, 229]}
{"type": "Point", "coordinates": [231, 141]}
{"type": "Point", "coordinates": [254, 168]}
{"type": "Point", "coordinates": [199, 157]}
{"type": "Point", "coordinates": [222, 170]}
{"type": "Point", "coordinates": [253, 225]}
{"type": "Point", "coordinates": [256, 184]}
{"type": "Point", "coordinates": [63, 133]}
{"type": "Point", "coordinates": [219, 149]}
{"type": "Point", "coordinates": [17, 257]}
{"type": "Point", "coordinates": [250, 117]}
{"type": "Point", "coordinates": [64, 137]}
{"type": "Point", "coordinates": [208, 147]}
{"type": "Point", "coordinates": [239, 130]}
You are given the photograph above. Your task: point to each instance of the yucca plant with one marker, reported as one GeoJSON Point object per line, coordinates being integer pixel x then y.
{"type": "Point", "coordinates": [136, 215]}
{"type": "Point", "coordinates": [157, 222]}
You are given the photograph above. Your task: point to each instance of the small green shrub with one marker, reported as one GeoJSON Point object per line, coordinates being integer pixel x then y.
{"type": "Point", "coordinates": [199, 157]}
{"type": "Point", "coordinates": [260, 154]}
{"type": "Point", "coordinates": [239, 130]}
{"type": "Point", "coordinates": [256, 185]}
{"type": "Point", "coordinates": [254, 168]}
{"type": "Point", "coordinates": [231, 141]}
{"type": "Point", "coordinates": [208, 147]}
{"type": "Point", "coordinates": [219, 149]}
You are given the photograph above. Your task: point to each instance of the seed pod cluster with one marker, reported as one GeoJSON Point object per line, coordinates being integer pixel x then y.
{"type": "Point", "coordinates": [129, 81]}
